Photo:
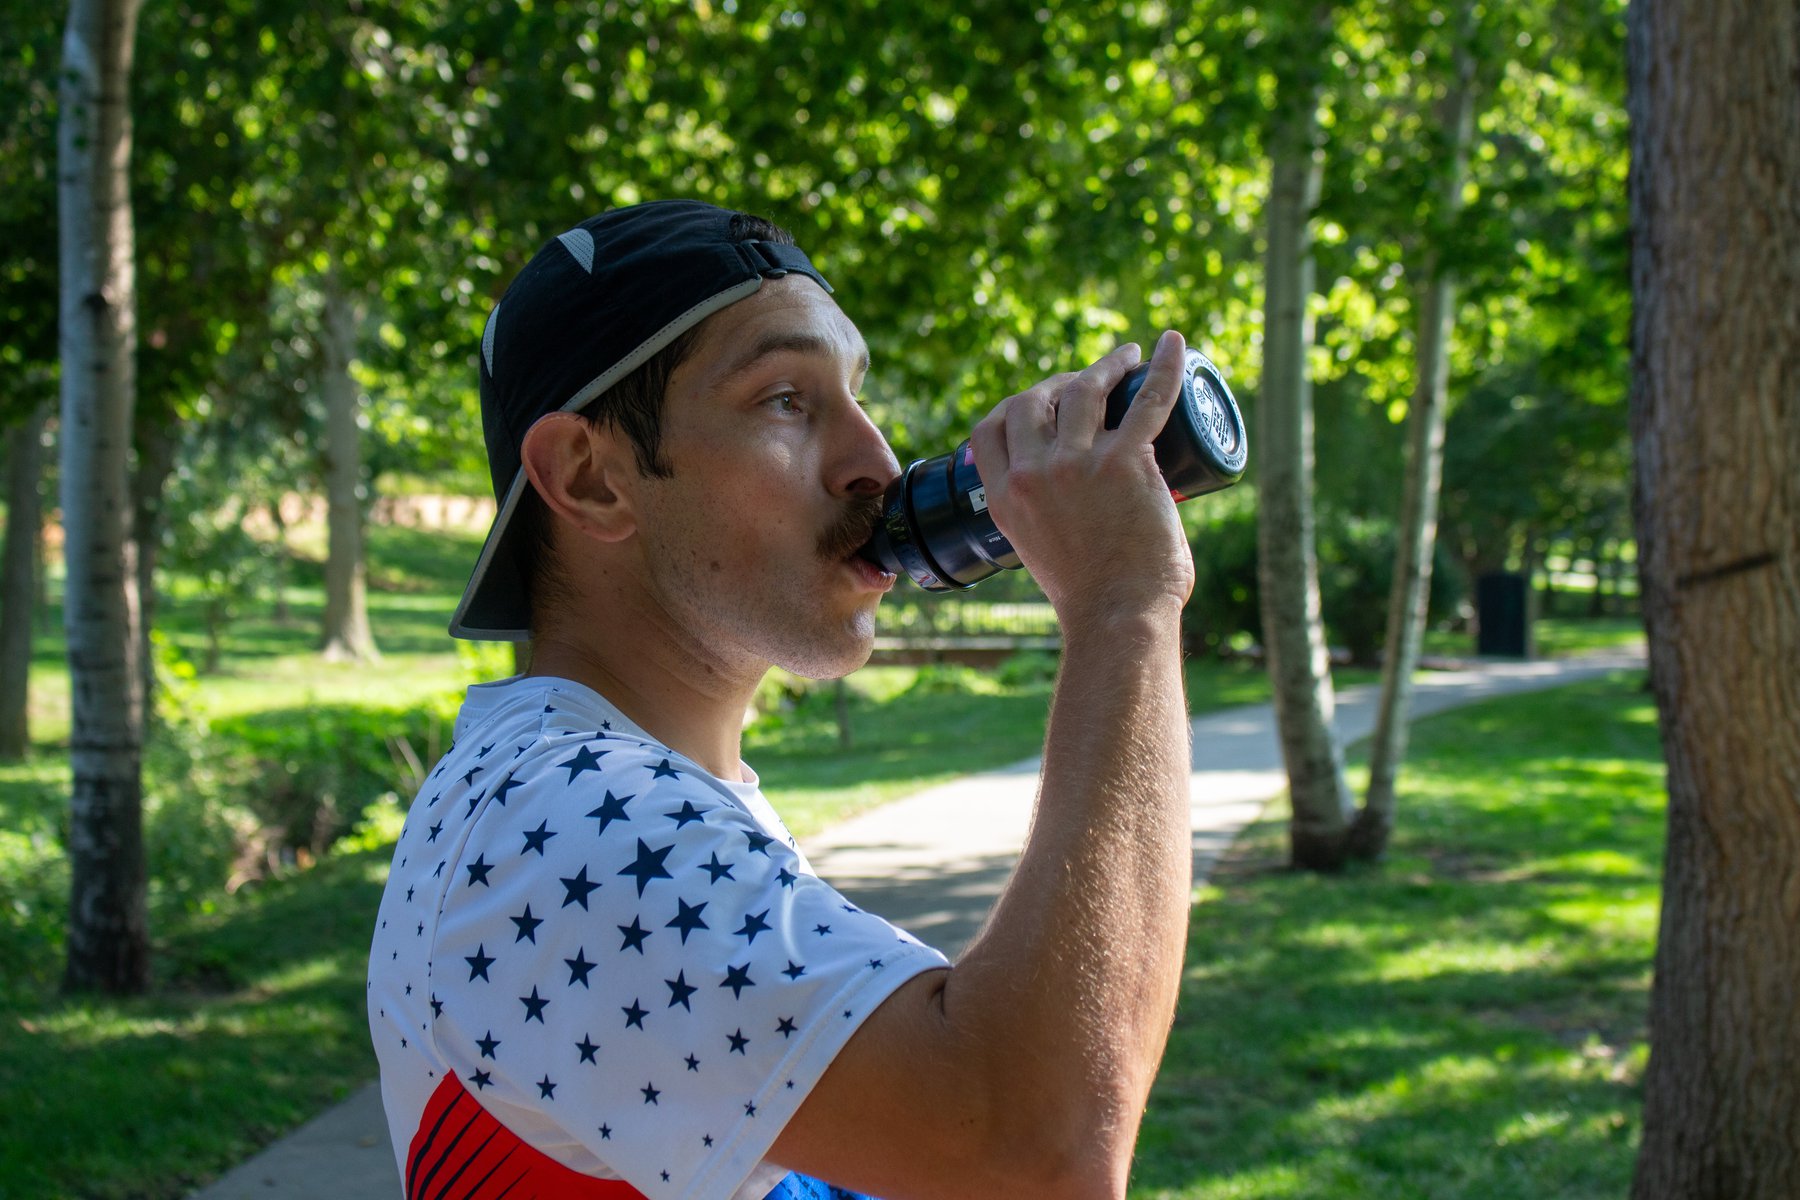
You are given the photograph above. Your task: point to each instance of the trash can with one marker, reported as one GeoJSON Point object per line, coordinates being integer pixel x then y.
{"type": "Point", "coordinates": [1502, 615]}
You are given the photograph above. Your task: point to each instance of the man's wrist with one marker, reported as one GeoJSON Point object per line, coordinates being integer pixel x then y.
{"type": "Point", "coordinates": [1115, 624]}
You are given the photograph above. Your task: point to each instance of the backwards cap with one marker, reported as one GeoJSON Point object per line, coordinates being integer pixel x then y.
{"type": "Point", "coordinates": [592, 306]}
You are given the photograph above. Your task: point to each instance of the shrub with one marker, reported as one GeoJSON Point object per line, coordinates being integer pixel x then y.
{"type": "Point", "coordinates": [1027, 668]}
{"type": "Point", "coordinates": [1356, 569]}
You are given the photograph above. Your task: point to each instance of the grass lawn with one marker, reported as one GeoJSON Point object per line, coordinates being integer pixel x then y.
{"type": "Point", "coordinates": [256, 1019]}
{"type": "Point", "coordinates": [1554, 637]}
{"type": "Point", "coordinates": [1465, 1020]}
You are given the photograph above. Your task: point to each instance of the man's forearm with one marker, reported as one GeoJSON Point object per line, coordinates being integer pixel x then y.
{"type": "Point", "coordinates": [1076, 973]}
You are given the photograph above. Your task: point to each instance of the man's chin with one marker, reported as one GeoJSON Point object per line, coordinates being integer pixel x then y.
{"type": "Point", "coordinates": [838, 657]}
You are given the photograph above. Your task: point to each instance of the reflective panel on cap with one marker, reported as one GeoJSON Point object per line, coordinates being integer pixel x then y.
{"type": "Point", "coordinates": [580, 243]}
{"type": "Point", "coordinates": [487, 339]}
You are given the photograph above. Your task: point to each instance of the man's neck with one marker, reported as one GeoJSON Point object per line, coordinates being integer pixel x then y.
{"type": "Point", "coordinates": [692, 707]}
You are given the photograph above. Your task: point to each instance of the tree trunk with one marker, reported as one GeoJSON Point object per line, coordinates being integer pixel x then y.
{"type": "Point", "coordinates": [1715, 422]}
{"type": "Point", "coordinates": [347, 635]}
{"type": "Point", "coordinates": [108, 946]}
{"type": "Point", "coordinates": [18, 580]}
{"type": "Point", "coordinates": [156, 459]}
{"type": "Point", "coordinates": [1410, 599]}
{"type": "Point", "coordinates": [1287, 556]}
{"type": "Point", "coordinates": [279, 524]}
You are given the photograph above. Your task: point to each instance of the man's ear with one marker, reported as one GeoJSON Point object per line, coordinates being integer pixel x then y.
{"type": "Point", "coordinates": [583, 471]}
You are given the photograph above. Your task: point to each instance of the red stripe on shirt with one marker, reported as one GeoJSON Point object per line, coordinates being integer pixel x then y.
{"type": "Point", "coordinates": [461, 1152]}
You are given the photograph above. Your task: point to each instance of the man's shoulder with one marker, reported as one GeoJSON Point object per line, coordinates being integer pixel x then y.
{"type": "Point", "coordinates": [621, 779]}
{"type": "Point", "coordinates": [584, 757]}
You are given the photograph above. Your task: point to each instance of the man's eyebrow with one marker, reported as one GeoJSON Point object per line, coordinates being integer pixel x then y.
{"type": "Point", "coordinates": [789, 342]}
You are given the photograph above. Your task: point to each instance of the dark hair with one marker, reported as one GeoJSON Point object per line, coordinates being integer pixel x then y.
{"type": "Point", "coordinates": [634, 405]}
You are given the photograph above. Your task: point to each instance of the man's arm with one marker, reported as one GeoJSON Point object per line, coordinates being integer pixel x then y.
{"type": "Point", "coordinates": [1024, 1069]}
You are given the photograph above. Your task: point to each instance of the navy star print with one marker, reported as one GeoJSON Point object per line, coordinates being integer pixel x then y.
{"type": "Point", "coordinates": [717, 1008]}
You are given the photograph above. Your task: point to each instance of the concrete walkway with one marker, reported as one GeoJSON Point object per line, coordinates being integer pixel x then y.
{"type": "Point", "coordinates": [933, 863]}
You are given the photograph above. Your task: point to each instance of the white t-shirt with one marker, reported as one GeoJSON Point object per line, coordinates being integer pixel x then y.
{"type": "Point", "coordinates": [592, 956]}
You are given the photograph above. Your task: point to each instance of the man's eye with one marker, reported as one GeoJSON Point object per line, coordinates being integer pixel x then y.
{"type": "Point", "coordinates": [786, 402]}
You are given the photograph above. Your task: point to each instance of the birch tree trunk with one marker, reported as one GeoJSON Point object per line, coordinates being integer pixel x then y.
{"type": "Point", "coordinates": [347, 636]}
{"type": "Point", "coordinates": [18, 580]}
{"type": "Point", "coordinates": [1287, 556]}
{"type": "Point", "coordinates": [1715, 213]}
{"type": "Point", "coordinates": [156, 460]}
{"type": "Point", "coordinates": [1410, 599]}
{"type": "Point", "coordinates": [108, 946]}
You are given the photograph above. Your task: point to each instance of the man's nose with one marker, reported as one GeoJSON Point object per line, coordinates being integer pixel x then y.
{"type": "Point", "coordinates": [865, 463]}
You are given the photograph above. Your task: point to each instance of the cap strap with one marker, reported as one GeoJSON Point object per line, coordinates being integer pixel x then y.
{"type": "Point", "coordinates": [777, 260]}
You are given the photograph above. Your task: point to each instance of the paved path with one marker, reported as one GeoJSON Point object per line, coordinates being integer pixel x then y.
{"type": "Point", "coordinates": [933, 863]}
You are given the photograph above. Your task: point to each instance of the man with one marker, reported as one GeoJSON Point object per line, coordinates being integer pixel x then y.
{"type": "Point", "coordinates": [602, 967]}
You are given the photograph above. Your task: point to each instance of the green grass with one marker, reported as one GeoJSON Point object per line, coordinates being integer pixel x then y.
{"type": "Point", "coordinates": [1566, 637]}
{"type": "Point", "coordinates": [1465, 1020]}
{"type": "Point", "coordinates": [256, 1021]}
{"type": "Point", "coordinates": [913, 730]}
{"type": "Point", "coordinates": [1554, 637]}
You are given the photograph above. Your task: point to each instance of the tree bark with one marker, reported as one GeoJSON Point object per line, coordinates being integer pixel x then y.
{"type": "Point", "coordinates": [18, 580]}
{"type": "Point", "coordinates": [1715, 421]}
{"type": "Point", "coordinates": [1410, 599]}
{"type": "Point", "coordinates": [155, 461]}
{"type": "Point", "coordinates": [108, 944]}
{"type": "Point", "coordinates": [1287, 555]}
{"type": "Point", "coordinates": [347, 636]}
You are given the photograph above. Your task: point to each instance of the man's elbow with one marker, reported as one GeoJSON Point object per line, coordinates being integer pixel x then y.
{"type": "Point", "coordinates": [1055, 1148]}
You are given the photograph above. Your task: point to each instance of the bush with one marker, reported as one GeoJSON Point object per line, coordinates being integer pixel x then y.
{"type": "Point", "coordinates": [313, 769]}
{"type": "Point", "coordinates": [943, 679]}
{"type": "Point", "coordinates": [1225, 605]}
{"type": "Point", "coordinates": [1356, 570]}
{"type": "Point", "coordinates": [1356, 573]}
{"type": "Point", "coordinates": [1027, 668]}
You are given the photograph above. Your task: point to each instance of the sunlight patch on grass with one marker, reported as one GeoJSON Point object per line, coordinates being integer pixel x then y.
{"type": "Point", "coordinates": [1465, 1021]}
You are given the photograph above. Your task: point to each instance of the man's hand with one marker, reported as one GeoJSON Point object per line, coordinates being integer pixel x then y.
{"type": "Point", "coordinates": [1085, 507]}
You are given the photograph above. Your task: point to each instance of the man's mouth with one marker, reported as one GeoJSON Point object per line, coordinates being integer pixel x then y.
{"type": "Point", "coordinates": [852, 530]}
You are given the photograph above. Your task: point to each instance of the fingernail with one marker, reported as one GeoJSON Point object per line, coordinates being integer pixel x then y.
{"type": "Point", "coordinates": [1132, 350]}
{"type": "Point", "coordinates": [1164, 339]}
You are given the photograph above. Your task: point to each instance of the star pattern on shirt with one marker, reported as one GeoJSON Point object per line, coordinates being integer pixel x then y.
{"type": "Point", "coordinates": [685, 815]}
{"type": "Point", "coordinates": [687, 918]}
{"type": "Point", "coordinates": [535, 838]}
{"type": "Point", "coordinates": [648, 865]}
{"type": "Point", "coordinates": [737, 978]}
{"type": "Point", "coordinates": [579, 967]}
{"type": "Point", "coordinates": [679, 991]}
{"type": "Point", "coordinates": [635, 936]}
{"type": "Point", "coordinates": [754, 923]}
{"type": "Point", "coordinates": [479, 870]}
{"type": "Point", "coordinates": [577, 888]}
{"type": "Point", "coordinates": [584, 760]}
{"type": "Point", "coordinates": [718, 999]}
{"type": "Point", "coordinates": [611, 809]}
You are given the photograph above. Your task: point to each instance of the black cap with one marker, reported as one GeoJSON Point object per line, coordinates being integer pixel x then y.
{"type": "Point", "coordinates": [592, 306]}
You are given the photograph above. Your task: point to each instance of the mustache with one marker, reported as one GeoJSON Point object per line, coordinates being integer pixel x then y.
{"type": "Point", "coordinates": [852, 529]}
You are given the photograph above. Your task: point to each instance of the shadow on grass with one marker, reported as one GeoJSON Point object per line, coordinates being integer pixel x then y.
{"type": "Point", "coordinates": [257, 1014]}
{"type": "Point", "coordinates": [1465, 1019]}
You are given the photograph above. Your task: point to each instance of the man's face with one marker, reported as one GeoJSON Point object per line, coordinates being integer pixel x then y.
{"type": "Point", "coordinates": [778, 472]}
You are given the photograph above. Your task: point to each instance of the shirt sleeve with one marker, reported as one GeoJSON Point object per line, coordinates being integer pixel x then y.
{"type": "Point", "coordinates": [627, 952]}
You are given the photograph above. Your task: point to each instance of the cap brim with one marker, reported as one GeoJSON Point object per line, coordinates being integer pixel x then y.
{"type": "Point", "coordinates": [494, 607]}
